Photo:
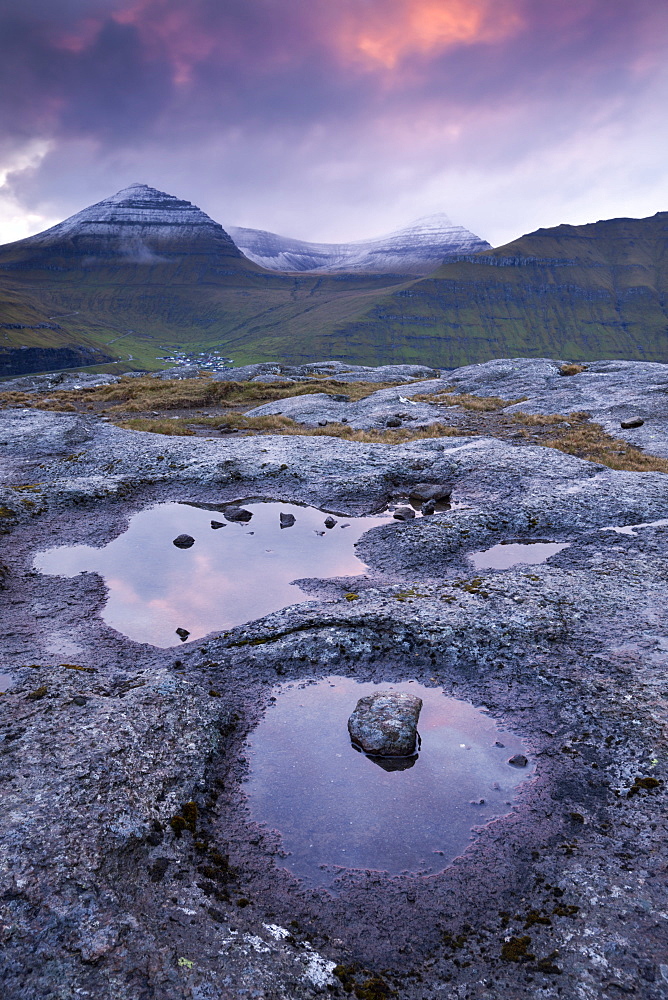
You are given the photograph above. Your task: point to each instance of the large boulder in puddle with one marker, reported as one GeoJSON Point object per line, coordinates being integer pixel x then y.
{"type": "Point", "coordinates": [385, 723]}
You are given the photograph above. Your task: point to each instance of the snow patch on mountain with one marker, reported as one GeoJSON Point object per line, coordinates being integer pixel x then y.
{"type": "Point", "coordinates": [139, 224]}
{"type": "Point", "coordinates": [416, 249]}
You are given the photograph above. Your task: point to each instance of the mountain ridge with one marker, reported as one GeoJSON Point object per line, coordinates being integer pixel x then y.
{"type": "Point", "coordinates": [582, 292]}
{"type": "Point", "coordinates": [415, 249]}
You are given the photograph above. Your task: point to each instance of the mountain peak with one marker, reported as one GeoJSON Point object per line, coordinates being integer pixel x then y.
{"type": "Point", "coordinates": [417, 249]}
{"type": "Point", "coordinates": [138, 224]}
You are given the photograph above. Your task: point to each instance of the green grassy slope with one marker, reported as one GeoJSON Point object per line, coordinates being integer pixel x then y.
{"type": "Point", "coordinates": [579, 292]}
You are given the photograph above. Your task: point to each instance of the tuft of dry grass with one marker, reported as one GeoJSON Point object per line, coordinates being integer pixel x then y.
{"type": "Point", "coordinates": [480, 404]}
{"type": "Point", "coordinates": [137, 395]}
{"type": "Point", "coordinates": [276, 424]}
{"type": "Point", "coordinates": [575, 434]}
{"type": "Point", "coordinates": [173, 427]}
{"type": "Point", "coordinates": [572, 369]}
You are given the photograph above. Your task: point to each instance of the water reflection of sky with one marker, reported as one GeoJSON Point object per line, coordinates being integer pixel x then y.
{"type": "Point", "coordinates": [229, 576]}
{"type": "Point", "coordinates": [516, 554]}
{"type": "Point", "coordinates": [335, 807]}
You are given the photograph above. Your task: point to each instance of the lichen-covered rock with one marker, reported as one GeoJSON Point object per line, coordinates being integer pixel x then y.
{"type": "Point", "coordinates": [385, 723]}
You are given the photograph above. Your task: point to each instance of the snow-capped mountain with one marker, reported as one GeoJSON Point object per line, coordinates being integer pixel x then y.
{"type": "Point", "coordinates": [416, 249]}
{"type": "Point", "coordinates": [139, 225]}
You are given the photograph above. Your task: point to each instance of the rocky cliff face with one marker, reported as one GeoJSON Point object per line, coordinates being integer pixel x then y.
{"type": "Point", "coordinates": [138, 225]}
{"type": "Point", "coordinates": [416, 249]}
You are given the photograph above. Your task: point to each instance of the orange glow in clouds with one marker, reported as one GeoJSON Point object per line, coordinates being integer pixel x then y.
{"type": "Point", "coordinates": [405, 28]}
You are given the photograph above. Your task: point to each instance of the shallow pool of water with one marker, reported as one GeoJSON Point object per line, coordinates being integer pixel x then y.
{"type": "Point", "coordinates": [337, 808]}
{"type": "Point", "coordinates": [508, 554]}
{"type": "Point", "coordinates": [230, 575]}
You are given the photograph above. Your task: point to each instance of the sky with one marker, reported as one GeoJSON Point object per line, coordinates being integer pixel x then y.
{"type": "Point", "coordinates": [336, 120]}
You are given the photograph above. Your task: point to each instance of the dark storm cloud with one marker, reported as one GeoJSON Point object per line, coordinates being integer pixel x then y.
{"type": "Point", "coordinates": [265, 103]}
{"type": "Point", "coordinates": [113, 70]}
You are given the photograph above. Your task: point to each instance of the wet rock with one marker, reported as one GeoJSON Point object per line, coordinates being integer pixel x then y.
{"type": "Point", "coordinates": [430, 491]}
{"type": "Point", "coordinates": [287, 520]}
{"type": "Point", "coordinates": [237, 514]}
{"type": "Point", "coordinates": [519, 760]}
{"type": "Point", "coordinates": [403, 513]}
{"type": "Point", "coordinates": [385, 723]}
{"type": "Point", "coordinates": [217, 524]}
{"type": "Point", "coordinates": [330, 522]}
{"type": "Point", "coordinates": [182, 633]}
{"type": "Point", "coordinates": [428, 507]}
{"type": "Point", "coordinates": [393, 422]}
{"type": "Point", "coordinates": [183, 541]}
{"type": "Point", "coordinates": [633, 422]}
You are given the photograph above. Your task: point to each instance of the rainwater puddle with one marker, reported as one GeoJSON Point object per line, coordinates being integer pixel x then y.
{"type": "Point", "coordinates": [230, 575]}
{"type": "Point", "coordinates": [337, 808]}
{"type": "Point", "coordinates": [508, 554]}
{"type": "Point", "coordinates": [630, 528]}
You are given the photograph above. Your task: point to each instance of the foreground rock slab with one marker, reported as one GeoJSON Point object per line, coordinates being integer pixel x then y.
{"type": "Point", "coordinates": [385, 723]}
{"type": "Point", "coordinates": [129, 867]}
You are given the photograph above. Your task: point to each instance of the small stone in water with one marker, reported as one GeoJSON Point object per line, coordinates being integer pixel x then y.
{"type": "Point", "coordinates": [330, 522]}
{"type": "Point", "coordinates": [428, 507]}
{"type": "Point", "coordinates": [287, 520]}
{"type": "Point", "coordinates": [218, 524]}
{"type": "Point", "coordinates": [634, 422]}
{"type": "Point", "coordinates": [403, 513]}
{"type": "Point", "coordinates": [182, 633]}
{"type": "Point", "coordinates": [385, 723]}
{"type": "Point", "coordinates": [519, 760]}
{"type": "Point", "coordinates": [237, 514]}
{"type": "Point", "coordinates": [184, 541]}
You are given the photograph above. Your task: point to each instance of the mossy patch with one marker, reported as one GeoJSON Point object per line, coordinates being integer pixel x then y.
{"type": "Point", "coordinates": [649, 784]}
{"type": "Point", "coordinates": [363, 984]}
{"type": "Point", "coordinates": [38, 693]}
{"type": "Point", "coordinates": [516, 949]}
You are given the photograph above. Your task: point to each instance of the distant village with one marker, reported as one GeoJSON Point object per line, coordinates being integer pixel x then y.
{"type": "Point", "coordinates": [207, 360]}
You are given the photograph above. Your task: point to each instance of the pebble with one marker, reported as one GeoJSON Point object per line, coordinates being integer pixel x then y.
{"type": "Point", "coordinates": [182, 633]}
{"type": "Point", "coordinates": [184, 541]}
{"type": "Point", "coordinates": [519, 760]}
{"type": "Point", "coordinates": [237, 514]}
{"type": "Point", "coordinates": [403, 513]}
{"type": "Point", "coordinates": [330, 522]}
{"type": "Point", "coordinates": [287, 520]}
{"type": "Point", "coordinates": [218, 524]}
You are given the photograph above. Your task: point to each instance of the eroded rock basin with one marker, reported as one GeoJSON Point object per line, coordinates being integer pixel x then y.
{"type": "Point", "coordinates": [234, 571]}
{"type": "Point", "coordinates": [336, 808]}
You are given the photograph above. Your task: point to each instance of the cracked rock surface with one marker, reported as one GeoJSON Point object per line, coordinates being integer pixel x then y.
{"type": "Point", "coordinates": [130, 868]}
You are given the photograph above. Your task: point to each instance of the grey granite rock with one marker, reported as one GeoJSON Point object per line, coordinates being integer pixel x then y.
{"type": "Point", "coordinates": [385, 723]}
{"type": "Point", "coordinates": [125, 839]}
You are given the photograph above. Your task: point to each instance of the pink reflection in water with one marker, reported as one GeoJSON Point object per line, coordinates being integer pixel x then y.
{"type": "Point", "coordinates": [335, 808]}
{"type": "Point", "coordinates": [229, 576]}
